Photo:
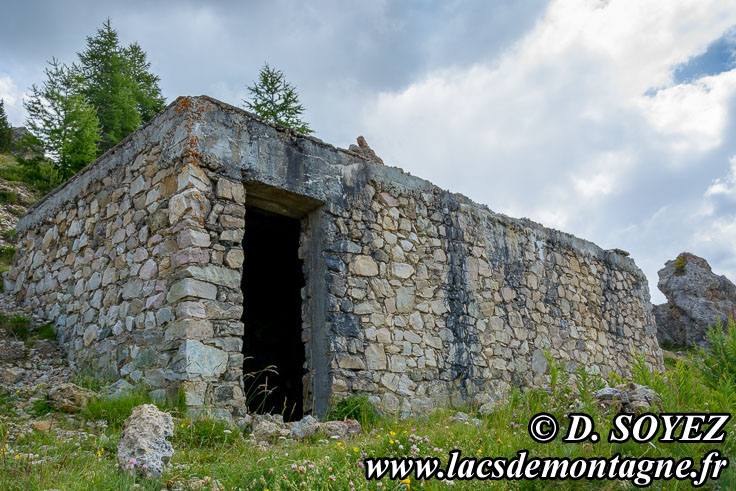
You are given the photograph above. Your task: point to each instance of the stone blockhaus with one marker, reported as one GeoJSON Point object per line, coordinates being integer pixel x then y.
{"type": "Point", "coordinates": [209, 244]}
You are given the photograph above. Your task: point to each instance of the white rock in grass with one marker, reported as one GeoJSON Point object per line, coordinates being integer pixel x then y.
{"type": "Point", "coordinates": [143, 446]}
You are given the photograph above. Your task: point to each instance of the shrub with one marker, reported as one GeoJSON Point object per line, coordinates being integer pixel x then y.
{"type": "Point", "coordinates": [680, 263]}
{"type": "Point", "coordinates": [719, 360]}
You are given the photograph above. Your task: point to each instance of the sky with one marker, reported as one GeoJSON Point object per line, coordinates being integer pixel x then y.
{"type": "Point", "coordinates": [613, 120]}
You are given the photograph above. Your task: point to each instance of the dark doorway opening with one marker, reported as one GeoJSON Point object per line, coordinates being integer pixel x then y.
{"type": "Point", "coordinates": [272, 282]}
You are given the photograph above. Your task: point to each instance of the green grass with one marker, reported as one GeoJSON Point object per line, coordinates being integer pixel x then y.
{"type": "Point", "coordinates": [356, 407]}
{"type": "Point", "coordinates": [6, 255]}
{"type": "Point", "coordinates": [8, 197]}
{"type": "Point", "coordinates": [115, 410]}
{"type": "Point", "coordinates": [42, 408]}
{"type": "Point", "coordinates": [17, 325]}
{"type": "Point", "coordinates": [699, 382]}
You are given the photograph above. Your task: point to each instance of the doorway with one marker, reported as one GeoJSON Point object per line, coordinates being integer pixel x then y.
{"type": "Point", "coordinates": [272, 313]}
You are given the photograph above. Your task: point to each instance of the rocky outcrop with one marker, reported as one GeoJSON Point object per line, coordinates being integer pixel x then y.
{"type": "Point", "coordinates": [143, 445]}
{"type": "Point", "coordinates": [69, 398]}
{"type": "Point", "coordinates": [696, 299]}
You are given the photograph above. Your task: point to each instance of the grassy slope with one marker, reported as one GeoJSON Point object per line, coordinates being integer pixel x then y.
{"type": "Point", "coordinates": [204, 449]}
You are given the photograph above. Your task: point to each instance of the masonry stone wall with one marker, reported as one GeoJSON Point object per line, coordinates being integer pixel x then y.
{"type": "Point", "coordinates": [414, 296]}
{"type": "Point", "coordinates": [434, 299]}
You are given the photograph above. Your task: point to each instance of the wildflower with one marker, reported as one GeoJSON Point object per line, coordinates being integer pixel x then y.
{"type": "Point", "coordinates": [182, 425]}
{"type": "Point", "coordinates": [311, 467]}
{"type": "Point", "coordinates": [406, 481]}
{"type": "Point", "coordinates": [393, 433]}
{"type": "Point", "coordinates": [17, 456]}
{"type": "Point", "coordinates": [480, 451]}
{"type": "Point", "coordinates": [426, 440]}
{"type": "Point", "coordinates": [332, 477]}
{"type": "Point", "coordinates": [360, 464]}
{"type": "Point", "coordinates": [363, 455]}
{"type": "Point", "coordinates": [270, 470]}
{"type": "Point", "coordinates": [391, 441]}
{"type": "Point", "coordinates": [355, 449]}
{"type": "Point", "coordinates": [378, 436]}
{"type": "Point", "coordinates": [302, 468]}
{"type": "Point", "coordinates": [379, 484]}
{"type": "Point", "coordinates": [294, 467]}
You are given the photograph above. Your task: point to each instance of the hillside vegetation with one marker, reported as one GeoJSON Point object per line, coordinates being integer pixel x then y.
{"type": "Point", "coordinates": [19, 189]}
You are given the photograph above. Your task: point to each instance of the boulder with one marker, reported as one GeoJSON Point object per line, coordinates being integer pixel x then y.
{"type": "Point", "coordinates": [143, 446]}
{"type": "Point", "coordinates": [12, 351]}
{"type": "Point", "coordinates": [11, 375]}
{"type": "Point", "coordinates": [696, 298]}
{"type": "Point", "coordinates": [69, 398]}
{"type": "Point", "coordinates": [627, 398]}
{"type": "Point", "coordinates": [305, 428]}
{"type": "Point", "coordinates": [342, 429]}
{"type": "Point", "coordinates": [266, 431]}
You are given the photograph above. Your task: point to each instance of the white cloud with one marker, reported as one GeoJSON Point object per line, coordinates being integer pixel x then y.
{"type": "Point", "coordinates": [13, 100]}
{"type": "Point", "coordinates": [559, 128]}
{"type": "Point", "coordinates": [725, 186]}
{"type": "Point", "coordinates": [694, 115]}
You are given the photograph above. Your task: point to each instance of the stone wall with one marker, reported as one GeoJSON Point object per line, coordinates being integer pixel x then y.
{"type": "Point", "coordinates": [414, 296]}
{"type": "Point", "coordinates": [434, 299]}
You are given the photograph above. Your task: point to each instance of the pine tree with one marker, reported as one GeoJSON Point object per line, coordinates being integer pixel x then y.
{"type": "Point", "coordinates": [6, 131]}
{"type": "Point", "coordinates": [62, 119]}
{"type": "Point", "coordinates": [118, 84]}
{"type": "Point", "coordinates": [148, 96]}
{"type": "Point", "coordinates": [276, 100]}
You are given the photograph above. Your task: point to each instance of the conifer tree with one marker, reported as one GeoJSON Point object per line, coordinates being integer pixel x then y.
{"type": "Point", "coordinates": [62, 119]}
{"type": "Point", "coordinates": [118, 84]}
{"type": "Point", "coordinates": [6, 131]}
{"type": "Point", "coordinates": [276, 100]}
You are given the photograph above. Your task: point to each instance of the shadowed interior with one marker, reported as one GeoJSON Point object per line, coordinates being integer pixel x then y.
{"type": "Point", "coordinates": [272, 282]}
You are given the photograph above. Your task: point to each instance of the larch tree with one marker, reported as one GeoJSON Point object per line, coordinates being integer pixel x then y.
{"type": "Point", "coordinates": [60, 116]}
{"type": "Point", "coordinates": [276, 100]}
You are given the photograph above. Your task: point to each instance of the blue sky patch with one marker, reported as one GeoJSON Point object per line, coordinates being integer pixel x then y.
{"type": "Point", "coordinates": [719, 57]}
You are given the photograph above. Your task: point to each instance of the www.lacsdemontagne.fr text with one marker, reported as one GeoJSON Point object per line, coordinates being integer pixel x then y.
{"type": "Point", "coordinates": [639, 471]}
